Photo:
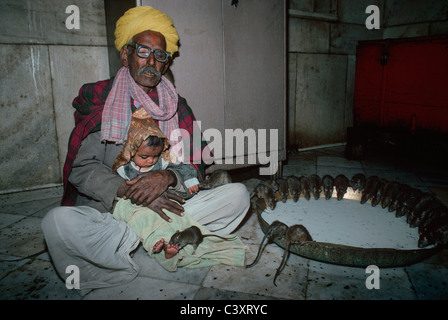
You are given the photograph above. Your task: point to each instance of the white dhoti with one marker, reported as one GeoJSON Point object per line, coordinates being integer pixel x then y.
{"type": "Point", "coordinates": [100, 246]}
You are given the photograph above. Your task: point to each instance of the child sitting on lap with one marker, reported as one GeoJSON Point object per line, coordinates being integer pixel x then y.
{"type": "Point", "coordinates": [146, 149]}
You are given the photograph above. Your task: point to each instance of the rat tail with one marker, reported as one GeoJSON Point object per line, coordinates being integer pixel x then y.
{"type": "Point", "coordinates": [215, 235]}
{"type": "Point", "coordinates": [260, 250]}
{"type": "Point", "coordinates": [283, 263]}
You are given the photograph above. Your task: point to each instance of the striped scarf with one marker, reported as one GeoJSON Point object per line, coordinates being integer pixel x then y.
{"type": "Point", "coordinates": [89, 105]}
{"type": "Point", "coordinates": [117, 110]}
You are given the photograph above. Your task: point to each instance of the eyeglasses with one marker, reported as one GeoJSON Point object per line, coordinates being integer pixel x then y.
{"type": "Point", "coordinates": [145, 51]}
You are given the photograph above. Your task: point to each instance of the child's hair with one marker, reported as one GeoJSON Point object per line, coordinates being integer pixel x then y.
{"type": "Point", "coordinates": [155, 141]}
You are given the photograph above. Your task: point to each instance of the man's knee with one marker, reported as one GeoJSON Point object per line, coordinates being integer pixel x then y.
{"type": "Point", "coordinates": [240, 192]}
{"type": "Point", "coordinates": [237, 193]}
{"type": "Point", "coordinates": [51, 227]}
{"type": "Point", "coordinates": [51, 219]}
{"type": "Point", "coordinates": [58, 221]}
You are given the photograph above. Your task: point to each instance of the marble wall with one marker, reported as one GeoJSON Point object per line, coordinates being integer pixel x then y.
{"type": "Point", "coordinates": [44, 64]}
{"type": "Point", "coordinates": [415, 18]}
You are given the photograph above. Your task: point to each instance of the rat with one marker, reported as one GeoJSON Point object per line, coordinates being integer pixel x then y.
{"type": "Point", "coordinates": [258, 204]}
{"type": "Point", "coordinates": [378, 193]}
{"type": "Point", "coordinates": [434, 212]}
{"type": "Point", "coordinates": [216, 179]}
{"type": "Point", "coordinates": [295, 187]}
{"type": "Point", "coordinates": [341, 184]}
{"type": "Point", "coordinates": [436, 232]}
{"type": "Point", "coordinates": [271, 183]}
{"type": "Point", "coordinates": [420, 206]}
{"type": "Point", "coordinates": [296, 234]}
{"type": "Point", "coordinates": [373, 183]}
{"type": "Point", "coordinates": [277, 230]}
{"type": "Point", "coordinates": [306, 188]}
{"type": "Point", "coordinates": [358, 182]}
{"type": "Point", "coordinates": [315, 185]}
{"type": "Point", "coordinates": [433, 217]}
{"type": "Point", "coordinates": [327, 185]}
{"type": "Point", "coordinates": [267, 194]}
{"type": "Point", "coordinates": [283, 189]}
{"type": "Point", "coordinates": [408, 202]}
{"type": "Point", "coordinates": [403, 190]}
{"type": "Point", "coordinates": [191, 235]}
{"type": "Point", "coordinates": [389, 194]}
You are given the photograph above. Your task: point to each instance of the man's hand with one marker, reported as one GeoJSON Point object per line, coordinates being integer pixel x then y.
{"type": "Point", "coordinates": [146, 187]}
{"type": "Point", "coordinates": [165, 202]}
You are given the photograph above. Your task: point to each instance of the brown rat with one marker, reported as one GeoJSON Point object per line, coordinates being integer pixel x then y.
{"type": "Point", "coordinates": [277, 230]}
{"type": "Point", "coordinates": [358, 182]}
{"type": "Point", "coordinates": [315, 185]}
{"type": "Point", "coordinates": [191, 235]}
{"type": "Point", "coordinates": [436, 232]}
{"type": "Point", "coordinates": [295, 187]}
{"type": "Point", "coordinates": [271, 183]}
{"type": "Point", "coordinates": [390, 193]}
{"type": "Point", "coordinates": [373, 184]}
{"type": "Point", "coordinates": [216, 179]}
{"type": "Point", "coordinates": [327, 186]}
{"type": "Point", "coordinates": [408, 201]}
{"type": "Point", "coordinates": [424, 202]}
{"type": "Point", "coordinates": [403, 191]}
{"type": "Point", "coordinates": [341, 184]}
{"type": "Point", "coordinates": [283, 189]}
{"type": "Point", "coordinates": [306, 188]}
{"type": "Point", "coordinates": [378, 195]}
{"type": "Point", "coordinates": [267, 194]}
{"type": "Point", "coordinates": [296, 234]}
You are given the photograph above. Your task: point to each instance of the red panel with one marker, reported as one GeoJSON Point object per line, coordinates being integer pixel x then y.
{"type": "Point", "coordinates": [368, 80]}
{"type": "Point", "coordinates": [418, 73]}
{"type": "Point", "coordinates": [426, 117]}
{"type": "Point", "coordinates": [415, 81]}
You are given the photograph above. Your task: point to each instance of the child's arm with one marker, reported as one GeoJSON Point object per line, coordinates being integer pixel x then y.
{"type": "Point", "coordinates": [187, 172]}
{"type": "Point", "coordinates": [194, 189]}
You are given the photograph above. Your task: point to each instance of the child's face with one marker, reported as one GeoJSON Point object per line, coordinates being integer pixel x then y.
{"type": "Point", "coordinates": [147, 156]}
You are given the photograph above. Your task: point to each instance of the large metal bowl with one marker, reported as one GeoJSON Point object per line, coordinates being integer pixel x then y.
{"type": "Point", "coordinates": [348, 255]}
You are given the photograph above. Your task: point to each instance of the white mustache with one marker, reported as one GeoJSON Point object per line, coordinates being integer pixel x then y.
{"type": "Point", "coordinates": [150, 69]}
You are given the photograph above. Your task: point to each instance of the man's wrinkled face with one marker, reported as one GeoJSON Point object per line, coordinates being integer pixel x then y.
{"type": "Point", "coordinates": [147, 72]}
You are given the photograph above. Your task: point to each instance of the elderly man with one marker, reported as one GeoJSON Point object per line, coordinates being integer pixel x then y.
{"type": "Point", "coordinates": [82, 232]}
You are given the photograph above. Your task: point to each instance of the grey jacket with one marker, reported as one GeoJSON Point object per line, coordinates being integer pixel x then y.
{"type": "Point", "coordinates": [92, 174]}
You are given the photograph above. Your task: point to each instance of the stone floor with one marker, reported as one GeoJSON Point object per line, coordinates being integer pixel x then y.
{"type": "Point", "coordinates": [302, 279]}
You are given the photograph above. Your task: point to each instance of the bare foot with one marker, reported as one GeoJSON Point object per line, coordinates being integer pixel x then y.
{"type": "Point", "coordinates": [158, 246]}
{"type": "Point", "coordinates": [170, 250]}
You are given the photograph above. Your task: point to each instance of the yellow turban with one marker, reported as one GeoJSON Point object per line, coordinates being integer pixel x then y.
{"type": "Point", "coordinates": [143, 18]}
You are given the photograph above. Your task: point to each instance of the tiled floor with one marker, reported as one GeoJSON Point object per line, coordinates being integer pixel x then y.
{"type": "Point", "coordinates": [35, 278]}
